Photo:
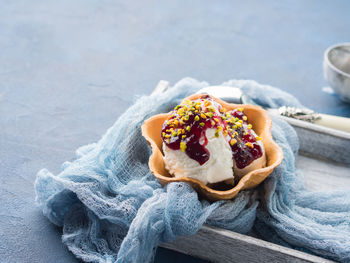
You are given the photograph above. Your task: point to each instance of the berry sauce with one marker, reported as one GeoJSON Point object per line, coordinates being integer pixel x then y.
{"type": "Point", "coordinates": [247, 149]}
{"type": "Point", "coordinates": [185, 130]}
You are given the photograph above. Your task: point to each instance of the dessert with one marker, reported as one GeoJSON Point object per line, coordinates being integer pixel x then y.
{"type": "Point", "coordinates": [205, 141]}
{"type": "Point", "coordinates": [261, 123]}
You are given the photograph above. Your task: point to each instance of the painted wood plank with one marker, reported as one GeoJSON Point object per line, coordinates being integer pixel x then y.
{"type": "Point", "coordinates": [323, 142]}
{"type": "Point", "coordinates": [222, 246]}
{"type": "Point", "coordinates": [322, 175]}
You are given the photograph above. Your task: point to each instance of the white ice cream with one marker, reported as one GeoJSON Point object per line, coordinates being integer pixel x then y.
{"type": "Point", "coordinates": [218, 168]}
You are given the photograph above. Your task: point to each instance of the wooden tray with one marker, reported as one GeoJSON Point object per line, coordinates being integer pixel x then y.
{"type": "Point", "coordinates": [324, 159]}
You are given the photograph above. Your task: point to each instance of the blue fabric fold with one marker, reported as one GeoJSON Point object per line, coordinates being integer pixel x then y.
{"type": "Point", "coordinates": [112, 209]}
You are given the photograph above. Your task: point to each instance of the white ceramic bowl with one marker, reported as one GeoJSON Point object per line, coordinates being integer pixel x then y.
{"type": "Point", "coordinates": [336, 69]}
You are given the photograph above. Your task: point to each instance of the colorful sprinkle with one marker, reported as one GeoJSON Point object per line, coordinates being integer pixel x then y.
{"type": "Point", "coordinates": [249, 144]}
{"type": "Point", "coordinates": [183, 146]}
{"type": "Point", "coordinates": [233, 142]}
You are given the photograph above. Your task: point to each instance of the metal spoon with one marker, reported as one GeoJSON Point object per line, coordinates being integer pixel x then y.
{"type": "Point", "coordinates": [235, 95]}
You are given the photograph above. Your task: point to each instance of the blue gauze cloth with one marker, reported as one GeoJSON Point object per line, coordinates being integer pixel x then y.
{"type": "Point", "coordinates": [112, 209]}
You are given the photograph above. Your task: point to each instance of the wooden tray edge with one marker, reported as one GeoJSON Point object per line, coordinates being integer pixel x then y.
{"type": "Point", "coordinates": [220, 245]}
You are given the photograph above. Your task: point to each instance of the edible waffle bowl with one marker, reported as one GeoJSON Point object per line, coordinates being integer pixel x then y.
{"type": "Point", "coordinates": [261, 121]}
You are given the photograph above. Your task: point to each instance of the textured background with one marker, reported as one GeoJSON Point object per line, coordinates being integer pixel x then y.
{"type": "Point", "coordinates": [68, 70]}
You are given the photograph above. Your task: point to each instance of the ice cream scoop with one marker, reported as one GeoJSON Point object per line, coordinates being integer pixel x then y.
{"type": "Point", "coordinates": [205, 141]}
{"type": "Point", "coordinates": [217, 168]}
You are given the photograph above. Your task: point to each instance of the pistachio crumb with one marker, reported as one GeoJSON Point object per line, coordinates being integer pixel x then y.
{"type": "Point", "coordinates": [233, 142]}
{"type": "Point", "coordinates": [183, 146]}
{"type": "Point", "coordinates": [249, 144]}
